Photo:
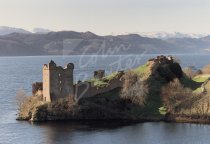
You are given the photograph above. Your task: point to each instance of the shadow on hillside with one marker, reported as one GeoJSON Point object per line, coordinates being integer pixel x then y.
{"type": "Point", "coordinates": [188, 83]}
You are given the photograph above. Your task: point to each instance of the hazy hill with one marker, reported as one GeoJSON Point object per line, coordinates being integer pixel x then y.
{"type": "Point", "coordinates": [8, 30]}
{"type": "Point", "coordinates": [41, 30]}
{"type": "Point", "coordinates": [70, 42]}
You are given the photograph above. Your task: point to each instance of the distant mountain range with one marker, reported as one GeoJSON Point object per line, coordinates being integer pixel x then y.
{"type": "Point", "coordinates": [165, 35]}
{"type": "Point", "coordinates": [41, 30]}
{"type": "Point", "coordinates": [24, 43]}
{"type": "Point", "coordinates": [8, 30]}
{"type": "Point", "coordinates": [4, 30]}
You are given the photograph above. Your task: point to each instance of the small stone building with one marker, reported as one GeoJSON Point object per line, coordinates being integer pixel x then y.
{"type": "Point", "coordinates": [99, 74]}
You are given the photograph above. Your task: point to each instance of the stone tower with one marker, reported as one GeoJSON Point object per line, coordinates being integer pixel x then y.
{"type": "Point", "coordinates": [57, 81]}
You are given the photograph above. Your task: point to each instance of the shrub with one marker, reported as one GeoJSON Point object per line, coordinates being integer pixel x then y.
{"type": "Point", "coordinates": [37, 86]}
{"type": "Point", "coordinates": [170, 71]}
{"type": "Point", "coordinates": [176, 69]}
{"type": "Point", "coordinates": [197, 105]}
{"type": "Point", "coordinates": [174, 94]}
{"type": "Point", "coordinates": [62, 105]}
{"type": "Point", "coordinates": [134, 89]}
{"type": "Point", "coordinates": [130, 78]}
{"type": "Point", "coordinates": [202, 106]}
{"type": "Point", "coordinates": [21, 98]}
{"type": "Point", "coordinates": [27, 105]}
{"type": "Point", "coordinates": [189, 73]}
{"type": "Point", "coordinates": [206, 69]}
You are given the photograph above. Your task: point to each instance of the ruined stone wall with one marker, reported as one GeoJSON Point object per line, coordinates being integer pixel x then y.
{"type": "Point", "coordinates": [87, 89]}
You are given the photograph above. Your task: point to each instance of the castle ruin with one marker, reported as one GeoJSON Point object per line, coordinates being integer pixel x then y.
{"type": "Point", "coordinates": [57, 81]}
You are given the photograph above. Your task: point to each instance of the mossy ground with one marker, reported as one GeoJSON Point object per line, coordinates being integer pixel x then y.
{"type": "Point", "coordinates": [141, 70]}
{"type": "Point", "coordinates": [103, 82]}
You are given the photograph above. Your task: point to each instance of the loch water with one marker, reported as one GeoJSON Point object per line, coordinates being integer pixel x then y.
{"type": "Point", "coordinates": [18, 73]}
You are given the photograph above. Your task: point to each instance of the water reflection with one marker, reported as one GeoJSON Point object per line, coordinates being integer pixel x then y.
{"type": "Point", "coordinates": [77, 132]}
{"type": "Point", "coordinates": [120, 133]}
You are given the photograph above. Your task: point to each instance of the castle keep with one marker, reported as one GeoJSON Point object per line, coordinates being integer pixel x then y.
{"type": "Point", "coordinates": [57, 81]}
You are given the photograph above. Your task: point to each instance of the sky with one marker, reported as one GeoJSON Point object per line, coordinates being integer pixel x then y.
{"type": "Point", "coordinates": [108, 16]}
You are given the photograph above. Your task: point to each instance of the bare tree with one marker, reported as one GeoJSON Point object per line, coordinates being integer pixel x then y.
{"type": "Point", "coordinates": [21, 97]}
{"type": "Point", "coordinates": [174, 94]}
{"type": "Point", "coordinates": [134, 89]}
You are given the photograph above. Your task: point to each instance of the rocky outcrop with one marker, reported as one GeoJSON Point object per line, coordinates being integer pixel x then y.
{"type": "Point", "coordinates": [165, 67]}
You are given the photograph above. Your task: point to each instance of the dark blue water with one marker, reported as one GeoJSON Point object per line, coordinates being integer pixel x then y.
{"type": "Point", "coordinates": [20, 72]}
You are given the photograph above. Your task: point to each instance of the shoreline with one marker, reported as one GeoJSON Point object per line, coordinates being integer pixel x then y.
{"type": "Point", "coordinates": [188, 119]}
{"type": "Point", "coordinates": [170, 119]}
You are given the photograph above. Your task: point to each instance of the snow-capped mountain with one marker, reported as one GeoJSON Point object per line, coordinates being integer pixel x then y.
{"type": "Point", "coordinates": [8, 30]}
{"type": "Point", "coordinates": [165, 35]}
{"type": "Point", "coordinates": [41, 30]}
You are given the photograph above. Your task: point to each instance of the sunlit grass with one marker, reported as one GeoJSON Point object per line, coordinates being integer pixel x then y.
{"type": "Point", "coordinates": [103, 81]}
{"type": "Point", "coordinates": [200, 78]}
{"type": "Point", "coordinates": [141, 69]}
